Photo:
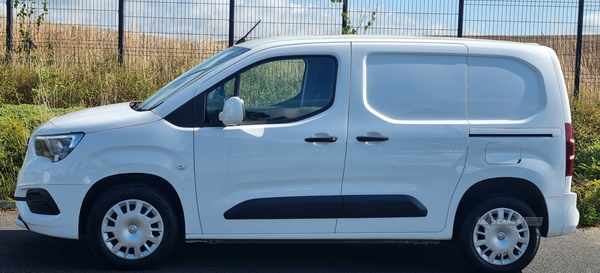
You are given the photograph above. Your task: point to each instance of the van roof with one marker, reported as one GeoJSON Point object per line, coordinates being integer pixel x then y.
{"type": "Point", "coordinates": [283, 40]}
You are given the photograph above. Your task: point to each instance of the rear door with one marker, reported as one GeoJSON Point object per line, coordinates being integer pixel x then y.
{"type": "Point", "coordinates": [407, 136]}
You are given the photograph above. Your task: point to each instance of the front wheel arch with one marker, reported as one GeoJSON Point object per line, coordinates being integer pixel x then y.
{"type": "Point", "coordinates": [154, 182]}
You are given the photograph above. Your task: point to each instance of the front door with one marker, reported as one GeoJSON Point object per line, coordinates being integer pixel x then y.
{"type": "Point", "coordinates": [280, 171]}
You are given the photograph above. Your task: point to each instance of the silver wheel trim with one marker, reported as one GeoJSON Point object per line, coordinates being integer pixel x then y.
{"type": "Point", "coordinates": [501, 236]}
{"type": "Point", "coordinates": [132, 229]}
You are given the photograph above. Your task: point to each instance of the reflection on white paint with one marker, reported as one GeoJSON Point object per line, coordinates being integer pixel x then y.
{"type": "Point", "coordinates": [257, 131]}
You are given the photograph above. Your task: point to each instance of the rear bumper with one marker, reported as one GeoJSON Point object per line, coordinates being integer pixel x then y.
{"type": "Point", "coordinates": [563, 215]}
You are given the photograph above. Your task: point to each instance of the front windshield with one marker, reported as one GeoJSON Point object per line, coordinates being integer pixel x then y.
{"type": "Point", "coordinates": [189, 77]}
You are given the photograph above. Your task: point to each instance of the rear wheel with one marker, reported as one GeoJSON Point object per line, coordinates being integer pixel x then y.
{"type": "Point", "coordinates": [132, 227]}
{"type": "Point", "coordinates": [496, 236]}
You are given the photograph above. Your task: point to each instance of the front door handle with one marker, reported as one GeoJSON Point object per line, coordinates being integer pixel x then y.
{"type": "Point", "coordinates": [372, 138]}
{"type": "Point", "coordinates": [321, 139]}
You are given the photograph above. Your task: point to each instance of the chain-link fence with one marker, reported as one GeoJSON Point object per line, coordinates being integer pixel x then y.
{"type": "Point", "coordinates": [135, 31]}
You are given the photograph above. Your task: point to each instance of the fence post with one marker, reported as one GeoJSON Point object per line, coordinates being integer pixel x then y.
{"type": "Point", "coordinates": [461, 14]}
{"type": "Point", "coordinates": [121, 32]}
{"type": "Point", "coordinates": [231, 23]}
{"type": "Point", "coordinates": [9, 30]}
{"type": "Point", "coordinates": [578, 50]}
{"type": "Point", "coordinates": [344, 11]}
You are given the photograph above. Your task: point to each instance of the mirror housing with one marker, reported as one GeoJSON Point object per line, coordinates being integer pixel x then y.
{"type": "Point", "coordinates": [233, 112]}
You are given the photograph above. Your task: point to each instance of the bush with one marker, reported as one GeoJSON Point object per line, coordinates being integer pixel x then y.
{"type": "Point", "coordinates": [586, 124]}
{"type": "Point", "coordinates": [586, 173]}
{"type": "Point", "coordinates": [588, 202]}
{"type": "Point", "coordinates": [16, 124]}
{"type": "Point", "coordinates": [587, 163]}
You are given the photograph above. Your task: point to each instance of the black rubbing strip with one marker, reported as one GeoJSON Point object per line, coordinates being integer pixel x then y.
{"type": "Point", "coordinates": [510, 135]}
{"type": "Point", "coordinates": [382, 206]}
{"type": "Point", "coordinates": [328, 207]}
{"type": "Point", "coordinates": [298, 207]}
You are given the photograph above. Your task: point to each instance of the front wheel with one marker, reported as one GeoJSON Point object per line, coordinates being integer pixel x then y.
{"type": "Point", "coordinates": [132, 227]}
{"type": "Point", "coordinates": [497, 237]}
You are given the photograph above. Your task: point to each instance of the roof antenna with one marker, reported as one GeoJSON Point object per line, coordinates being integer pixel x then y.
{"type": "Point", "coordinates": [243, 39]}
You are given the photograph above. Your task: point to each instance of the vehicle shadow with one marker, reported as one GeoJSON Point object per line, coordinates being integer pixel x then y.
{"type": "Point", "coordinates": [24, 251]}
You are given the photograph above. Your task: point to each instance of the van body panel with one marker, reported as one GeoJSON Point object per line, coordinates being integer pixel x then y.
{"type": "Point", "coordinates": [331, 137]}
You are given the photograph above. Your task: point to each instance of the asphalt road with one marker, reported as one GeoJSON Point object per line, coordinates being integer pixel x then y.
{"type": "Point", "coordinates": [25, 251]}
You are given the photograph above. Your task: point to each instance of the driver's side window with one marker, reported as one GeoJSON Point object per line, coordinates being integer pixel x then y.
{"type": "Point", "coordinates": [277, 90]}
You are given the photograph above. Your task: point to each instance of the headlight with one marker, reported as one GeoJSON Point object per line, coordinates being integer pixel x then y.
{"type": "Point", "coordinates": [56, 147]}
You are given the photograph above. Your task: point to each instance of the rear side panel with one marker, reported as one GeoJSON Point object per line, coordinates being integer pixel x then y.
{"type": "Point", "coordinates": [517, 110]}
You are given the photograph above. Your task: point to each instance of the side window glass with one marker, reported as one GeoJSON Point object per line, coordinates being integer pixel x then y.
{"type": "Point", "coordinates": [215, 99]}
{"type": "Point", "coordinates": [287, 89]}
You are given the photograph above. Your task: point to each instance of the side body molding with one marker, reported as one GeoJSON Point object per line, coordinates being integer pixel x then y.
{"type": "Point", "coordinates": [325, 207]}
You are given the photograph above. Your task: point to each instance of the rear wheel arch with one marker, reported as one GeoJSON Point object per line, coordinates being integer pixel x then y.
{"type": "Point", "coordinates": [521, 189]}
{"type": "Point", "coordinates": [146, 180]}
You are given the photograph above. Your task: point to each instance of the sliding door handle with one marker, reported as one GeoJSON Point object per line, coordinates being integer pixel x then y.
{"type": "Point", "coordinates": [321, 139]}
{"type": "Point", "coordinates": [372, 138]}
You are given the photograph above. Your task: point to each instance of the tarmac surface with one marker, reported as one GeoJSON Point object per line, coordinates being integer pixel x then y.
{"type": "Point", "coordinates": [25, 251]}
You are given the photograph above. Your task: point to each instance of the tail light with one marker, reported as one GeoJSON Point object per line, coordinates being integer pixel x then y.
{"type": "Point", "coordinates": [570, 148]}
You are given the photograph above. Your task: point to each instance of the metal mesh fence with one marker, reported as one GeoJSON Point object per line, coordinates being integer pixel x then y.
{"type": "Point", "coordinates": [193, 29]}
{"type": "Point", "coordinates": [281, 18]}
{"type": "Point", "coordinates": [86, 32]}
{"type": "Point", "coordinates": [548, 22]}
{"type": "Point", "coordinates": [73, 32]}
{"type": "Point", "coordinates": [3, 25]}
{"type": "Point", "coordinates": [590, 60]}
{"type": "Point", "coordinates": [415, 18]}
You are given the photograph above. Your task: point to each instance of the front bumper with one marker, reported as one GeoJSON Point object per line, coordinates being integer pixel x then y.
{"type": "Point", "coordinates": [563, 215]}
{"type": "Point", "coordinates": [19, 222]}
{"type": "Point", "coordinates": [64, 224]}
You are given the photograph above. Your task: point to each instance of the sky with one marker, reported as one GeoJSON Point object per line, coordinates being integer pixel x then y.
{"type": "Point", "coordinates": [208, 19]}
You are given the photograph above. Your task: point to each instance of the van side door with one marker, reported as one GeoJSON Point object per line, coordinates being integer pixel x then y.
{"type": "Point", "coordinates": [279, 172]}
{"type": "Point", "coordinates": [407, 136]}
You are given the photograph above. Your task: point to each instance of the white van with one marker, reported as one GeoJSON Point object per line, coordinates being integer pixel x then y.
{"type": "Point", "coordinates": [319, 138]}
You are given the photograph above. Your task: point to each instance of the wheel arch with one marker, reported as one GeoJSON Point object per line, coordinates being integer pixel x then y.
{"type": "Point", "coordinates": [522, 189]}
{"type": "Point", "coordinates": [154, 182]}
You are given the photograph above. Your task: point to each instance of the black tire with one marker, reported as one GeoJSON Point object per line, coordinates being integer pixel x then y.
{"type": "Point", "coordinates": [493, 245]}
{"type": "Point", "coordinates": [137, 223]}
